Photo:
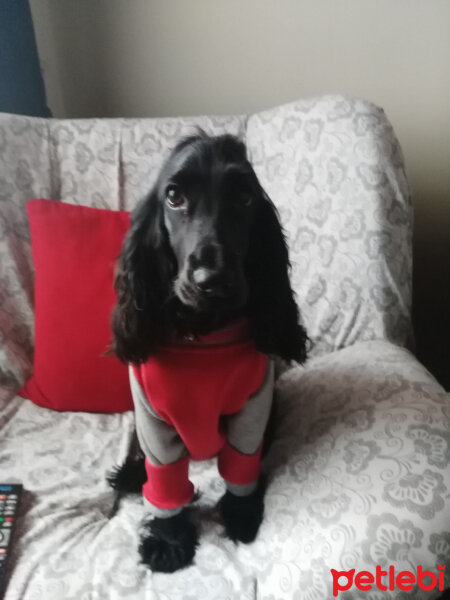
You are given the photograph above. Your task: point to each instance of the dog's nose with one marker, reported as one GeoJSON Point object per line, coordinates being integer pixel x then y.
{"type": "Point", "coordinates": [211, 283]}
{"type": "Point", "coordinates": [210, 255]}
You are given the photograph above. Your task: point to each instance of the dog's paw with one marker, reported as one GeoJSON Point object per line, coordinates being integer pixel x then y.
{"type": "Point", "coordinates": [168, 544]}
{"type": "Point", "coordinates": [242, 515]}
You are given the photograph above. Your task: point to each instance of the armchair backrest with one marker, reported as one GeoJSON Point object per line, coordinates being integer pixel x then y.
{"type": "Point", "coordinates": [332, 166]}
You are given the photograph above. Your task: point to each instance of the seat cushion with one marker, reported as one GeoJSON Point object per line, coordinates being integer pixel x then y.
{"type": "Point", "coordinates": [358, 477]}
{"type": "Point", "coordinates": [74, 252]}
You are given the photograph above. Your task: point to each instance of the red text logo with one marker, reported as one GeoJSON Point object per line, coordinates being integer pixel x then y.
{"type": "Point", "coordinates": [387, 580]}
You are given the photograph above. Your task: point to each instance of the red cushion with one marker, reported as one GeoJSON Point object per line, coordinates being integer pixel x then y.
{"type": "Point", "coordinates": [74, 251]}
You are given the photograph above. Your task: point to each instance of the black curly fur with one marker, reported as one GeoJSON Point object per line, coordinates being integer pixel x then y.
{"type": "Point", "coordinates": [147, 311]}
{"type": "Point", "coordinates": [129, 477]}
{"type": "Point", "coordinates": [168, 545]}
{"type": "Point", "coordinates": [243, 515]}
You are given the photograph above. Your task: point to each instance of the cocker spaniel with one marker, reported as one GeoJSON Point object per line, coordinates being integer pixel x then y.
{"type": "Point", "coordinates": [204, 303]}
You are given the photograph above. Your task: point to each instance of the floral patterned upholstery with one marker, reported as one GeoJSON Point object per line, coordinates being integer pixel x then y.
{"type": "Point", "coordinates": [358, 474]}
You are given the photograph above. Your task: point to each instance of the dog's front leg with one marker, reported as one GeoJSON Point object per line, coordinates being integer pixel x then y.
{"type": "Point", "coordinates": [168, 544]}
{"type": "Point", "coordinates": [242, 514]}
{"type": "Point", "coordinates": [168, 538]}
{"type": "Point", "coordinates": [242, 506]}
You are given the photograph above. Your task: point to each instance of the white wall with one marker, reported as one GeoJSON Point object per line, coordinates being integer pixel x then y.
{"type": "Point", "coordinates": [172, 57]}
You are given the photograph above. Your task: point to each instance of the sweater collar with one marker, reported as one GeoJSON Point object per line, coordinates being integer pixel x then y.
{"type": "Point", "coordinates": [237, 330]}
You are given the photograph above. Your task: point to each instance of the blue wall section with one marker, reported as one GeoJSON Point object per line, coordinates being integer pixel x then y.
{"type": "Point", "coordinates": [22, 88]}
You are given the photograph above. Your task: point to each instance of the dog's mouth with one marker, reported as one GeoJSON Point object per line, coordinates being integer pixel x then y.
{"type": "Point", "coordinates": [186, 293]}
{"type": "Point", "coordinates": [214, 299]}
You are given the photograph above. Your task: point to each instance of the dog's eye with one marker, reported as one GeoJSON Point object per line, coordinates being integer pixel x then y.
{"type": "Point", "coordinates": [174, 197]}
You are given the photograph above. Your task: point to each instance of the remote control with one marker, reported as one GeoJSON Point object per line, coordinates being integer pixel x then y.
{"type": "Point", "coordinates": [9, 504]}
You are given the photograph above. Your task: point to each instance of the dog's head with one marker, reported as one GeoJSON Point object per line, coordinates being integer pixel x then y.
{"type": "Point", "coordinates": [206, 241]}
{"type": "Point", "coordinates": [207, 194]}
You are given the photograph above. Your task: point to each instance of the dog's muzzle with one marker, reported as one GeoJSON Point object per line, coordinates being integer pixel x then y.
{"type": "Point", "coordinates": [213, 284]}
{"type": "Point", "coordinates": [211, 279]}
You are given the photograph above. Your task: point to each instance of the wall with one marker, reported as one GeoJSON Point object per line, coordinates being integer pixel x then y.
{"type": "Point", "coordinates": [173, 57]}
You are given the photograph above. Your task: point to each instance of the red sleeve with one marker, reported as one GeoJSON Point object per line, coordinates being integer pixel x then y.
{"type": "Point", "coordinates": [239, 468]}
{"type": "Point", "coordinates": [168, 486]}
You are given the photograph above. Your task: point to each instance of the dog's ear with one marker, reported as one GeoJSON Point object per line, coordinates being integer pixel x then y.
{"type": "Point", "coordinates": [273, 311]}
{"type": "Point", "coordinates": [139, 320]}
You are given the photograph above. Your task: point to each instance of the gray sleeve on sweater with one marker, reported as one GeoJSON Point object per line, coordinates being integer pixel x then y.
{"type": "Point", "coordinates": [245, 429]}
{"type": "Point", "coordinates": [159, 441]}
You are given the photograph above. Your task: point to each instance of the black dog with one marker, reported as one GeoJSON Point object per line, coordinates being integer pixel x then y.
{"type": "Point", "coordinates": [205, 248]}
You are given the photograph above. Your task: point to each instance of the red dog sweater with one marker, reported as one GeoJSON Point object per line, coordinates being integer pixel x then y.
{"type": "Point", "coordinates": [191, 386]}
